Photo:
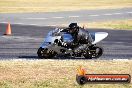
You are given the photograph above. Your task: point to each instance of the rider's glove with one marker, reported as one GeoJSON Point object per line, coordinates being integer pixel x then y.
{"type": "Point", "coordinates": [64, 44]}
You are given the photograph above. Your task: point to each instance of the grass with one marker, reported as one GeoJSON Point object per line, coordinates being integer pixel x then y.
{"type": "Point", "coordinates": [58, 73]}
{"type": "Point", "coordinates": [119, 24]}
{"type": "Point", "coordinates": [116, 24]}
{"type": "Point", "coordinates": [15, 6]}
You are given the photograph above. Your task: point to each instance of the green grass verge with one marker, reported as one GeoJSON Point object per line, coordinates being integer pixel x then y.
{"type": "Point", "coordinates": [116, 24]}
{"type": "Point", "coordinates": [15, 6]}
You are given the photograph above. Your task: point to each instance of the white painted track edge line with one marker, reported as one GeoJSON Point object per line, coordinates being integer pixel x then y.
{"type": "Point", "coordinates": [128, 12]}
{"type": "Point", "coordinates": [120, 59]}
{"type": "Point", "coordinates": [35, 18]}
{"type": "Point", "coordinates": [73, 16]}
{"type": "Point", "coordinates": [57, 17]}
{"type": "Point", "coordinates": [94, 15]}
{"type": "Point", "coordinates": [26, 24]}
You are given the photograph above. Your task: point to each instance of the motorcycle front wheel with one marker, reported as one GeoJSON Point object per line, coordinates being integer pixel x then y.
{"type": "Point", "coordinates": [45, 53]}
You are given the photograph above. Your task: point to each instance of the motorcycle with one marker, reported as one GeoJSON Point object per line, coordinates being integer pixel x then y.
{"type": "Point", "coordinates": [57, 43]}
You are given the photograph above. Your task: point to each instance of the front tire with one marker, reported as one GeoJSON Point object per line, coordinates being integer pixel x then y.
{"type": "Point", "coordinates": [45, 53]}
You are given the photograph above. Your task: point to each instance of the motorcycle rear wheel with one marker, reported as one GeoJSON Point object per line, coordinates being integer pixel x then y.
{"type": "Point", "coordinates": [94, 52]}
{"type": "Point", "coordinates": [98, 51]}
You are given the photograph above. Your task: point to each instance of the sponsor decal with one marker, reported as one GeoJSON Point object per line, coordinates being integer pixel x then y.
{"type": "Point", "coordinates": [83, 78]}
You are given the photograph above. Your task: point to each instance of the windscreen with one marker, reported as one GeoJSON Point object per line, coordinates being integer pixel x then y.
{"type": "Point", "coordinates": [67, 38]}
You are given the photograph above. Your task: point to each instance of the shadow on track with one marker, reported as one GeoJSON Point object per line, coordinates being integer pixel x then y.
{"type": "Point", "coordinates": [28, 57]}
{"type": "Point", "coordinates": [55, 58]}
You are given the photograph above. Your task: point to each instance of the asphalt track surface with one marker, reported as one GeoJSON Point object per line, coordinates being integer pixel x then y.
{"type": "Point", "coordinates": [25, 40]}
{"type": "Point", "coordinates": [66, 17]}
{"type": "Point", "coordinates": [29, 29]}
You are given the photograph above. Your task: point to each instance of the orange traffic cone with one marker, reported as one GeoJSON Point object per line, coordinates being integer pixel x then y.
{"type": "Point", "coordinates": [8, 29]}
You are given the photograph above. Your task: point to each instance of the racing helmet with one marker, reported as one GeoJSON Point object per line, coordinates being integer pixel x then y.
{"type": "Point", "coordinates": [73, 28]}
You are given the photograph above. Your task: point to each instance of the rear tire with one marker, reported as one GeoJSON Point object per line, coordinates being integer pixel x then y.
{"type": "Point", "coordinates": [87, 54]}
{"type": "Point", "coordinates": [45, 53]}
{"type": "Point", "coordinates": [93, 52]}
{"type": "Point", "coordinates": [98, 51]}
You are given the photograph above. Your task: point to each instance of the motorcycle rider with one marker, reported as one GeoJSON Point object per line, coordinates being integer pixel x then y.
{"type": "Point", "coordinates": [80, 35]}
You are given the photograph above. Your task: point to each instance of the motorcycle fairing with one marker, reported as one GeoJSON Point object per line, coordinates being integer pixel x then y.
{"type": "Point", "coordinates": [50, 38]}
{"type": "Point", "coordinates": [98, 36]}
{"type": "Point", "coordinates": [54, 34]}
